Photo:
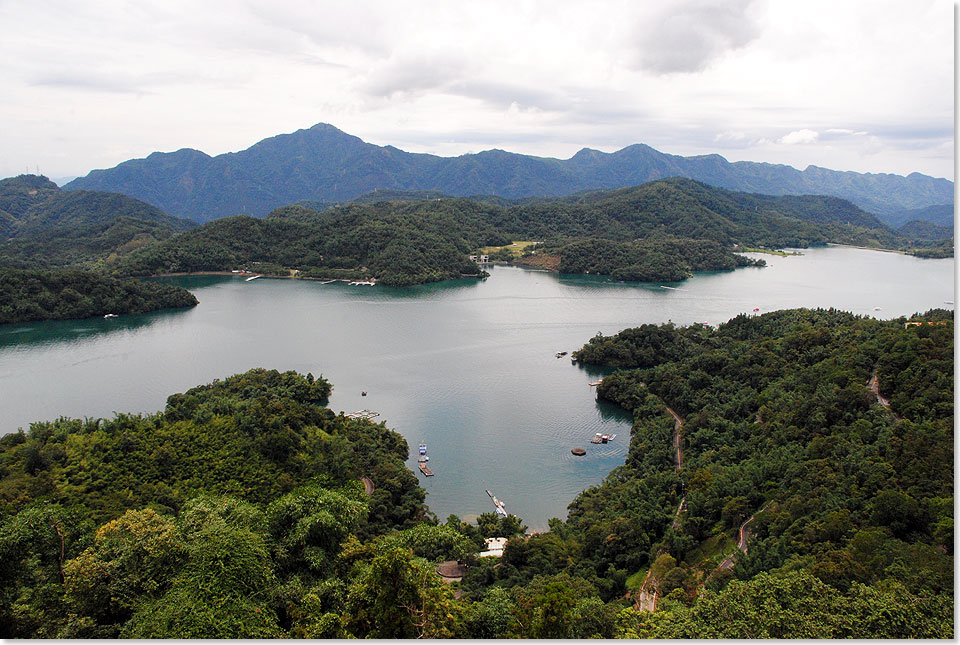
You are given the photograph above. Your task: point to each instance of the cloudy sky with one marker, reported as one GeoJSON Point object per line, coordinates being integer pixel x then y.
{"type": "Point", "coordinates": [852, 85]}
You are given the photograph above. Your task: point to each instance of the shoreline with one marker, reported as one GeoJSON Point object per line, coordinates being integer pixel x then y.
{"type": "Point", "coordinates": [184, 274]}
{"type": "Point", "coordinates": [867, 248]}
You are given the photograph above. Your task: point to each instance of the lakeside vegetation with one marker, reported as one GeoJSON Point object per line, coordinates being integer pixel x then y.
{"type": "Point", "coordinates": [239, 509]}
{"type": "Point", "coordinates": [660, 231]}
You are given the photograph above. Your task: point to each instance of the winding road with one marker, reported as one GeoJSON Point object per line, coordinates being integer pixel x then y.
{"type": "Point", "coordinates": [741, 543]}
{"type": "Point", "coordinates": [647, 600]}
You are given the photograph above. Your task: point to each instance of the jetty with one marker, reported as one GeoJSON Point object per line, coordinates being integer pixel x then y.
{"type": "Point", "coordinates": [363, 414]}
{"type": "Point", "coordinates": [501, 511]}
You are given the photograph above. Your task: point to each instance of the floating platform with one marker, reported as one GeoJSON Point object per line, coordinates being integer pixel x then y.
{"type": "Point", "coordinates": [363, 414]}
{"type": "Point", "coordinates": [603, 438]}
{"type": "Point", "coordinates": [424, 469]}
{"type": "Point", "coordinates": [579, 452]}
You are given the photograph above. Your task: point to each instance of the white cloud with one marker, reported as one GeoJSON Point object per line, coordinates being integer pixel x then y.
{"type": "Point", "coordinates": [92, 84]}
{"type": "Point", "coordinates": [800, 136]}
{"type": "Point", "coordinates": [730, 136]}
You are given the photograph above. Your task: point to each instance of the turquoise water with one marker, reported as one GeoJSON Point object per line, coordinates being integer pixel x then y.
{"type": "Point", "coordinates": [467, 367]}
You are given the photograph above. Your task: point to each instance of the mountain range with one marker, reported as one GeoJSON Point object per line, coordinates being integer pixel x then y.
{"type": "Point", "coordinates": [325, 164]}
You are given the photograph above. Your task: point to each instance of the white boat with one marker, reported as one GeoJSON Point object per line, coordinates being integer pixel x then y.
{"type": "Point", "coordinates": [110, 316]}
{"type": "Point", "coordinates": [253, 277]}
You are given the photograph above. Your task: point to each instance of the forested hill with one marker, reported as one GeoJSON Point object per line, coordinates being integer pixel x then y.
{"type": "Point", "coordinates": [236, 512]}
{"type": "Point", "coordinates": [777, 422]}
{"type": "Point", "coordinates": [769, 492]}
{"type": "Point", "coordinates": [52, 243]}
{"type": "Point", "coordinates": [661, 230]}
{"type": "Point", "coordinates": [326, 165]}
{"type": "Point", "coordinates": [42, 226]}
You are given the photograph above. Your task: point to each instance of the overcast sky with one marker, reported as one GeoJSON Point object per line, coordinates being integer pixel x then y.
{"type": "Point", "coordinates": [849, 85]}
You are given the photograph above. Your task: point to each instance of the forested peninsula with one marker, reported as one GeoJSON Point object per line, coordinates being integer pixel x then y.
{"type": "Point", "coordinates": [58, 246]}
{"type": "Point", "coordinates": [27, 296]}
{"type": "Point", "coordinates": [789, 475]}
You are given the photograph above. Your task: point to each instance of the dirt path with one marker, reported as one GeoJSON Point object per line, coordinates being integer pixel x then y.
{"type": "Point", "coordinates": [646, 601]}
{"type": "Point", "coordinates": [678, 460]}
{"type": "Point", "coordinates": [368, 485]}
{"type": "Point", "coordinates": [875, 388]}
{"type": "Point", "coordinates": [677, 428]}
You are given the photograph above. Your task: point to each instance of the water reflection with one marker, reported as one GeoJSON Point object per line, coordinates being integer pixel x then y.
{"type": "Point", "coordinates": [56, 331]}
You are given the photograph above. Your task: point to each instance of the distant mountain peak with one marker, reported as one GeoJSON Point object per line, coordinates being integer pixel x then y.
{"type": "Point", "coordinates": [324, 164]}
{"type": "Point", "coordinates": [326, 127]}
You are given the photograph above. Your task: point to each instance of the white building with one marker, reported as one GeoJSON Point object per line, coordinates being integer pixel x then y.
{"type": "Point", "coordinates": [494, 547]}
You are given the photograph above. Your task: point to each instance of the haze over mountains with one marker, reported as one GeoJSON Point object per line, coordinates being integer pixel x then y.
{"type": "Point", "coordinates": [325, 164]}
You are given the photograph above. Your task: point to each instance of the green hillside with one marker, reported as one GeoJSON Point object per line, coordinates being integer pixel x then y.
{"type": "Point", "coordinates": [662, 230]}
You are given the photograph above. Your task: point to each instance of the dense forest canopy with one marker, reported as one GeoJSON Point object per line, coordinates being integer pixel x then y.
{"type": "Point", "coordinates": [788, 475]}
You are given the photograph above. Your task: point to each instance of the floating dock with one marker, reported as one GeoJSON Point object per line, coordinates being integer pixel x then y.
{"type": "Point", "coordinates": [363, 414]}
{"type": "Point", "coordinates": [424, 469]}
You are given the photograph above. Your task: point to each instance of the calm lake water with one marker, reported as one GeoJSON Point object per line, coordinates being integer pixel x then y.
{"type": "Point", "coordinates": [467, 367]}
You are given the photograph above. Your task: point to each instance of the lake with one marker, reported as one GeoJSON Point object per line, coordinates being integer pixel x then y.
{"type": "Point", "coordinates": [468, 367]}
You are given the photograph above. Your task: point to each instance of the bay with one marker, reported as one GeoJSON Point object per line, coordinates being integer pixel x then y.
{"type": "Point", "coordinates": [467, 367]}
